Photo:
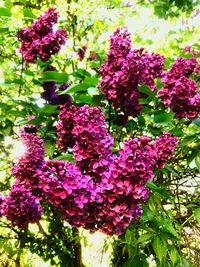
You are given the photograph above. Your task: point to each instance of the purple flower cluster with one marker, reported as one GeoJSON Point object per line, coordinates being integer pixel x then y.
{"type": "Point", "coordinates": [92, 142]}
{"type": "Point", "coordinates": [84, 129]}
{"type": "Point", "coordinates": [68, 189]}
{"type": "Point", "coordinates": [180, 93]}
{"type": "Point", "coordinates": [50, 94]}
{"type": "Point", "coordinates": [39, 40]}
{"type": "Point", "coordinates": [1, 204]}
{"type": "Point", "coordinates": [21, 208]}
{"type": "Point", "coordinates": [164, 147]}
{"type": "Point", "coordinates": [101, 191]}
{"type": "Point", "coordinates": [118, 181]}
{"type": "Point", "coordinates": [151, 67]}
{"type": "Point", "coordinates": [126, 68]}
{"type": "Point", "coordinates": [65, 126]}
{"type": "Point", "coordinates": [123, 186]}
{"type": "Point", "coordinates": [25, 169]}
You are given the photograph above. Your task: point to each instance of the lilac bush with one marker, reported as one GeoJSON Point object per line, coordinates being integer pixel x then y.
{"type": "Point", "coordinates": [101, 190]}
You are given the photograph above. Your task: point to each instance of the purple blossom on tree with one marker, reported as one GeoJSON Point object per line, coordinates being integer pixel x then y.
{"type": "Point", "coordinates": [180, 93]}
{"type": "Point", "coordinates": [126, 68]}
{"type": "Point", "coordinates": [39, 40]}
{"type": "Point", "coordinates": [21, 208]}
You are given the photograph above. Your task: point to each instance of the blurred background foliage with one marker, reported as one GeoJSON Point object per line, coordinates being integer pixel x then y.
{"type": "Point", "coordinates": [168, 233]}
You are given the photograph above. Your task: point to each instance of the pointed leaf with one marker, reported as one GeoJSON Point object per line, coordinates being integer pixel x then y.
{"type": "Point", "coordinates": [159, 248]}
{"type": "Point", "coordinates": [145, 237]}
{"type": "Point", "coordinates": [197, 215]}
{"type": "Point", "coordinates": [163, 117]}
{"type": "Point", "coordinates": [174, 255]}
{"type": "Point", "coordinates": [146, 90]}
{"type": "Point", "coordinates": [49, 76]}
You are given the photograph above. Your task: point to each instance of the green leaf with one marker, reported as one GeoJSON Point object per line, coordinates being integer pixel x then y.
{"type": "Point", "coordinates": [188, 140]}
{"type": "Point", "coordinates": [167, 167]}
{"type": "Point", "coordinates": [68, 157]}
{"type": "Point", "coordinates": [163, 117]}
{"type": "Point", "coordinates": [146, 90]}
{"type": "Point", "coordinates": [92, 81]}
{"type": "Point", "coordinates": [20, 113]}
{"type": "Point", "coordinates": [37, 82]}
{"type": "Point", "coordinates": [75, 88]}
{"type": "Point", "coordinates": [81, 73]}
{"type": "Point", "coordinates": [197, 215]}
{"type": "Point", "coordinates": [168, 227]}
{"type": "Point", "coordinates": [36, 121]}
{"type": "Point", "coordinates": [28, 13]}
{"type": "Point", "coordinates": [49, 148]}
{"type": "Point", "coordinates": [160, 190]}
{"type": "Point", "coordinates": [147, 214]}
{"type": "Point", "coordinates": [87, 99]}
{"type": "Point", "coordinates": [18, 81]}
{"type": "Point", "coordinates": [192, 156]}
{"type": "Point", "coordinates": [185, 263]}
{"type": "Point", "coordinates": [128, 236]}
{"type": "Point", "coordinates": [49, 76]}
{"type": "Point", "coordinates": [5, 12]}
{"type": "Point", "coordinates": [96, 99]}
{"type": "Point", "coordinates": [133, 261]}
{"type": "Point", "coordinates": [177, 132]}
{"type": "Point", "coordinates": [144, 238]}
{"type": "Point", "coordinates": [144, 100]}
{"type": "Point", "coordinates": [174, 255]}
{"type": "Point", "coordinates": [48, 109]}
{"type": "Point", "coordinates": [159, 247]}
{"type": "Point", "coordinates": [197, 161]}
{"type": "Point", "coordinates": [28, 72]}
{"type": "Point", "coordinates": [152, 186]}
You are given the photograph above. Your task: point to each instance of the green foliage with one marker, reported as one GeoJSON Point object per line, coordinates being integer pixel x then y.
{"type": "Point", "coordinates": [173, 8]}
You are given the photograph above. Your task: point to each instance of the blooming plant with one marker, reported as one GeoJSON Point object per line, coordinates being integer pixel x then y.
{"type": "Point", "coordinates": [108, 145]}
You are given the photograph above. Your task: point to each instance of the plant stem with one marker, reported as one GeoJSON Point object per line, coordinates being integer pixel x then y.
{"type": "Point", "coordinates": [77, 248]}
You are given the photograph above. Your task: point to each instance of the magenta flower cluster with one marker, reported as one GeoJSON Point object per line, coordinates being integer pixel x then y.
{"type": "Point", "coordinates": [123, 71]}
{"type": "Point", "coordinates": [25, 168]}
{"type": "Point", "coordinates": [117, 183]}
{"type": "Point", "coordinates": [101, 191]}
{"type": "Point", "coordinates": [180, 93]}
{"type": "Point", "coordinates": [21, 207]}
{"type": "Point", "coordinates": [69, 190]}
{"type": "Point", "coordinates": [39, 40]}
{"type": "Point", "coordinates": [65, 126]}
{"type": "Point", "coordinates": [1, 204]}
{"type": "Point", "coordinates": [164, 147]}
{"type": "Point", "coordinates": [92, 142]}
